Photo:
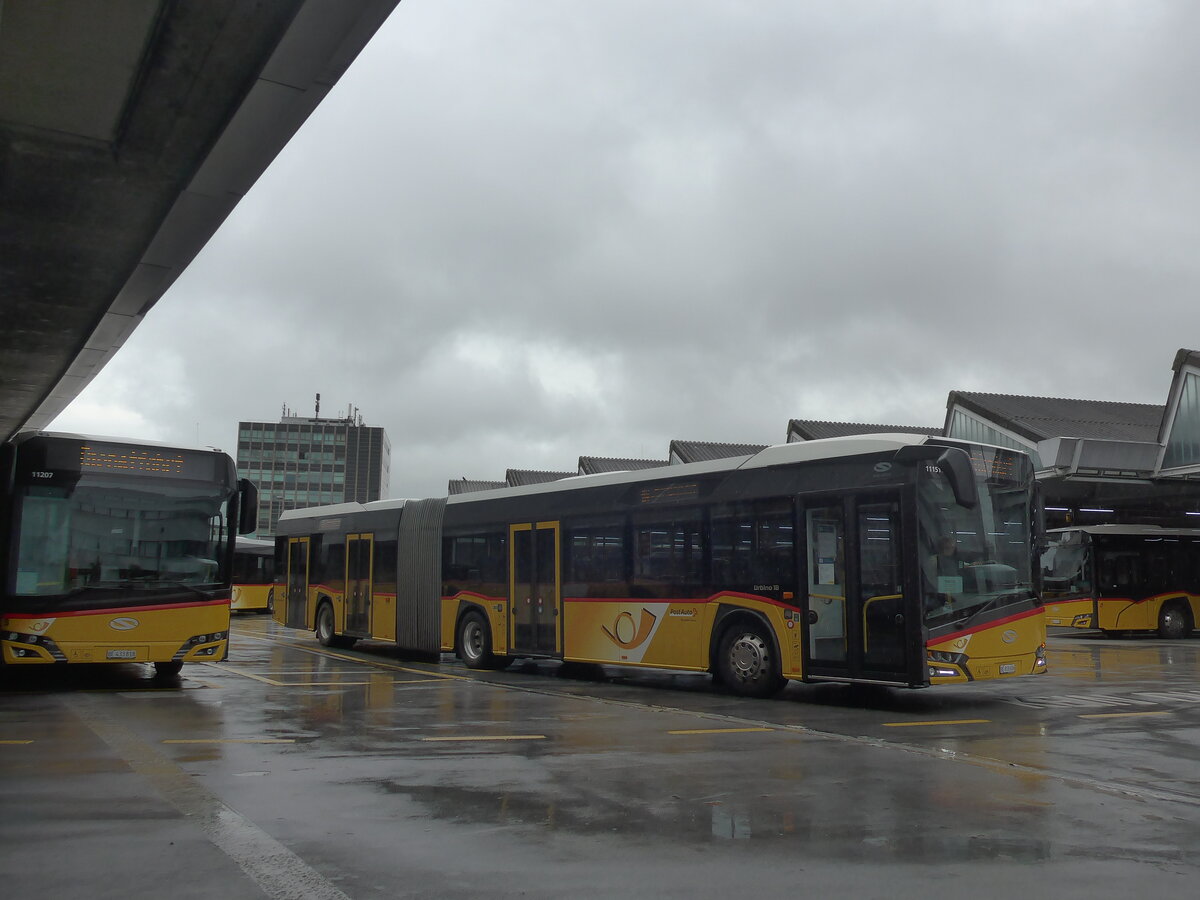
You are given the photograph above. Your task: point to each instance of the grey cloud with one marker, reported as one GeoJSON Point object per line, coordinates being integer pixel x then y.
{"type": "Point", "coordinates": [707, 218]}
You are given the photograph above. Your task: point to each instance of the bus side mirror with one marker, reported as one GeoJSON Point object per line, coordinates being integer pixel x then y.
{"type": "Point", "coordinates": [953, 462]}
{"type": "Point", "coordinates": [956, 466]}
{"type": "Point", "coordinates": [247, 506]}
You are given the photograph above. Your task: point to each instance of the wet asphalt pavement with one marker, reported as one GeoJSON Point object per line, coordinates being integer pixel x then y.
{"type": "Point", "coordinates": [295, 771]}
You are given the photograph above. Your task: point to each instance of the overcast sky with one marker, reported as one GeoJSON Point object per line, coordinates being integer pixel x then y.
{"type": "Point", "coordinates": [519, 232]}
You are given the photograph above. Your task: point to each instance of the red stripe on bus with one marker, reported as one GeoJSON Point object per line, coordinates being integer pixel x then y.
{"type": "Point", "coordinates": [995, 623]}
{"type": "Point", "coordinates": [713, 598]}
{"type": "Point", "coordinates": [471, 595]}
{"type": "Point", "coordinates": [109, 611]}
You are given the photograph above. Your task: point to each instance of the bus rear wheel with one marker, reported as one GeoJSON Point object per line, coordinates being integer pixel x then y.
{"type": "Point", "coordinates": [475, 644]}
{"type": "Point", "coordinates": [1175, 621]}
{"type": "Point", "coordinates": [746, 660]}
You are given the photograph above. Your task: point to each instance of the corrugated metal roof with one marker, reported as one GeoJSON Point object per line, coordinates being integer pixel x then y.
{"type": "Point", "coordinates": [813, 430]}
{"type": "Point", "coordinates": [515, 477]}
{"type": "Point", "coordinates": [1041, 418]}
{"type": "Point", "coordinates": [594, 465]}
{"type": "Point", "coordinates": [704, 451]}
{"type": "Point", "coordinates": [467, 486]}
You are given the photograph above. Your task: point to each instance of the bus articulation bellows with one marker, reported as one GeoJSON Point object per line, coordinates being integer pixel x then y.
{"type": "Point", "coordinates": [892, 559]}
{"type": "Point", "coordinates": [116, 551]}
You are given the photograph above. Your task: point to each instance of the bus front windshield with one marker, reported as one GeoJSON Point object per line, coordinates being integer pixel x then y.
{"type": "Point", "coordinates": [976, 558]}
{"type": "Point", "coordinates": [1065, 568]}
{"type": "Point", "coordinates": [107, 531]}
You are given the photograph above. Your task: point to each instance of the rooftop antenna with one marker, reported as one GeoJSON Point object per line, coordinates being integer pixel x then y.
{"type": "Point", "coordinates": [318, 406]}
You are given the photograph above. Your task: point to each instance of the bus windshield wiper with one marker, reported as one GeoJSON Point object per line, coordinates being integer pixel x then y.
{"type": "Point", "coordinates": [186, 587]}
{"type": "Point", "coordinates": [975, 613]}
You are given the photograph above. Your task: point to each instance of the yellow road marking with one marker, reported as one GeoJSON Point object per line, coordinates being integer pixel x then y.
{"type": "Point", "coordinates": [943, 722]}
{"type": "Point", "coordinates": [319, 651]}
{"type": "Point", "coordinates": [274, 683]}
{"type": "Point", "coordinates": [718, 730]}
{"type": "Point", "coordinates": [16, 742]}
{"type": "Point", "coordinates": [486, 737]}
{"type": "Point", "coordinates": [233, 741]}
{"type": "Point", "coordinates": [1125, 715]}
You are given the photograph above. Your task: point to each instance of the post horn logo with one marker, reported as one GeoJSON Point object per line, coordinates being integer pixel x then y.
{"type": "Point", "coordinates": [124, 623]}
{"type": "Point", "coordinates": [625, 634]}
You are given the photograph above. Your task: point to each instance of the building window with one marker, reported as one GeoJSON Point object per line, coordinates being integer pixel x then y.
{"type": "Point", "coordinates": [1183, 445]}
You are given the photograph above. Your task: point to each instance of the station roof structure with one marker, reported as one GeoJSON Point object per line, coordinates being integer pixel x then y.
{"type": "Point", "coordinates": [520, 477]}
{"type": "Point", "coordinates": [595, 465]}
{"type": "Point", "coordinates": [682, 452]}
{"type": "Point", "coordinates": [1041, 418]}
{"type": "Point", "coordinates": [128, 133]}
{"type": "Point", "coordinates": [468, 486]}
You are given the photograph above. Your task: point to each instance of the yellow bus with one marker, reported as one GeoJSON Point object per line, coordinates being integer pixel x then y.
{"type": "Point", "coordinates": [891, 559]}
{"type": "Point", "coordinates": [253, 575]}
{"type": "Point", "coordinates": [116, 551]}
{"type": "Point", "coordinates": [1123, 579]}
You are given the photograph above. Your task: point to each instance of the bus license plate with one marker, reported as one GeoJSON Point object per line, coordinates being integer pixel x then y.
{"type": "Point", "coordinates": [1008, 668]}
{"type": "Point", "coordinates": [122, 654]}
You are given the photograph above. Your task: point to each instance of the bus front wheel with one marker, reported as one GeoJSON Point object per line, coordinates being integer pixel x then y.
{"type": "Point", "coordinates": [746, 660]}
{"type": "Point", "coordinates": [1175, 621]}
{"type": "Point", "coordinates": [475, 644]}
{"type": "Point", "coordinates": [168, 669]}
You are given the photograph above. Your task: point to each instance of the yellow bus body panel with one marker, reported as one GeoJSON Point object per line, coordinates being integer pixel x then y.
{"type": "Point", "coordinates": [675, 634]}
{"type": "Point", "coordinates": [251, 597]}
{"type": "Point", "coordinates": [1002, 649]}
{"type": "Point", "coordinates": [1119, 614]}
{"type": "Point", "coordinates": [1071, 613]}
{"type": "Point", "coordinates": [132, 634]}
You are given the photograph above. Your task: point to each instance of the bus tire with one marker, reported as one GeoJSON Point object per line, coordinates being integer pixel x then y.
{"type": "Point", "coordinates": [168, 669]}
{"type": "Point", "coordinates": [324, 629]}
{"type": "Point", "coordinates": [1175, 621]}
{"type": "Point", "coordinates": [475, 643]}
{"type": "Point", "coordinates": [746, 660]}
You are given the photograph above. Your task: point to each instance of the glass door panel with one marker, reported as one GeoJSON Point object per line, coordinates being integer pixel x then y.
{"type": "Point", "coordinates": [827, 620]}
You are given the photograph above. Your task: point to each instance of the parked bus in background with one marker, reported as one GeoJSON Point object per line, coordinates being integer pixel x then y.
{"type": "Point", "coordinates": [1123, 579]}
{"type": "Point", "coordinates": [814, 561]}
{"type": "Point", "coordinates": [253, 575]}
{"type": "Point", "coordinates": [116, 551]}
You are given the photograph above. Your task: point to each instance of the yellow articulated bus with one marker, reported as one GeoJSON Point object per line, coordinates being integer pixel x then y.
{"type": "Point", "coordinates": [890, 559]}
{"type": "Point", "coordinates": [253, 575]}
{"type": "Point", "coordinates": [1123, 579]}
{"type": "Point", "coordinates": [116, 551]}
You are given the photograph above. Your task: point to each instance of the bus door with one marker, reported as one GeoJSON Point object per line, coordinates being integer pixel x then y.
{"type": "Point", "coordinates": [534, 588]}
{"type": "Point", "coordinates": [297, 583]}
{"type": "Point", "coordinates": [860, 625]}
{"type": "Point", "coordinates": [358, 583]}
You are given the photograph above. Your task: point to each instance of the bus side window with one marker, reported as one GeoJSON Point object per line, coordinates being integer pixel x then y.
{"type": "Point", "coordinates": [1119, 571]}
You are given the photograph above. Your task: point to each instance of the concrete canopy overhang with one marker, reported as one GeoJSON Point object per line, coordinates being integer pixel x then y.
{"type": "Point", "coordinates": [128, 133]}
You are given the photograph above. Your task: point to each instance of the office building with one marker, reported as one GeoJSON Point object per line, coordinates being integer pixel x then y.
{"type": "Point", "coordinates": [301, 462]}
